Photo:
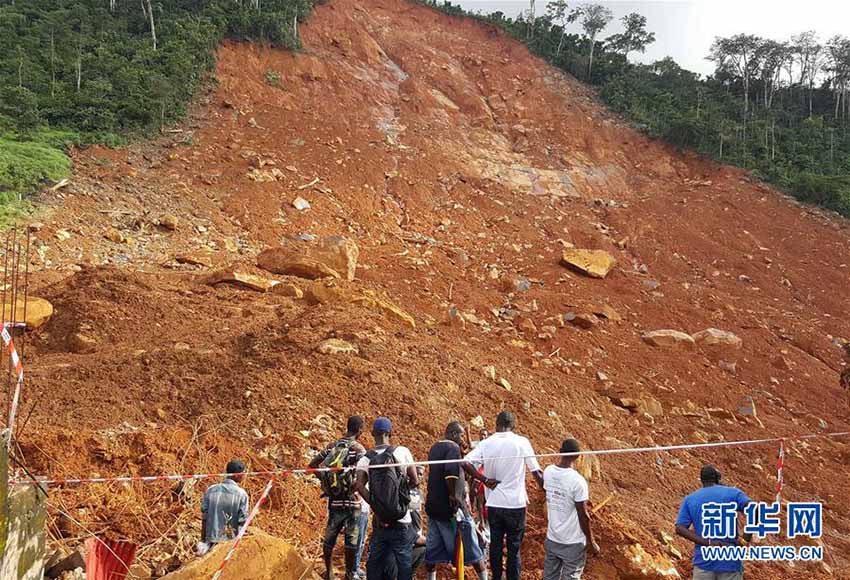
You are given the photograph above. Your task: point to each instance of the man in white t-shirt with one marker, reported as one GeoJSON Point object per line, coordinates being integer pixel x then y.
{"type": "Point", "coordinates": [507, 502]}
{"type": "Point", "coordinates": [390, 537]}
{"type": "Point", "coordinates": [569, 535]}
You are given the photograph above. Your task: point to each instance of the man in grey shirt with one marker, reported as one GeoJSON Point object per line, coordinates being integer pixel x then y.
{"type": "Point", "coordinates": [224, 508]}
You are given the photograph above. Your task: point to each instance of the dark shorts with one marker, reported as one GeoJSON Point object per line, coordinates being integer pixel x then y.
{"type": "Point", "coordinates": [343, 520]}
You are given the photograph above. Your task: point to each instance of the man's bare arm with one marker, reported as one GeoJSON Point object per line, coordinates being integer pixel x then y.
{"type": "Point", "coordinates": [360, 481]}
{"type": "Point", "coordinates": [691, 535]}
{"type": "Point", "coordinates": [584, 523]}
{"type": "Point", "coordinates": [538, 477]}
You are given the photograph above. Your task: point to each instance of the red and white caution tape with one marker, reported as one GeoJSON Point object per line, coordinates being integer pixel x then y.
{"type": "Point", "coordinates": [276, 472]}
{"type": "Point", "coordinates": [241, 533]}
{"type": "Point", "coordinates": [779, 478]}
{"type": "Point", "coordinates": [19, 373]}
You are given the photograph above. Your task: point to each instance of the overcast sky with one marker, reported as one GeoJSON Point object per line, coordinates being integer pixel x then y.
{"type": "Point", "coordinates": [684, 29]}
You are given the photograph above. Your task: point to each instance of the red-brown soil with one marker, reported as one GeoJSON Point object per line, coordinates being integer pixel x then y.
{"type": "Point", "coordinates": [457, 162]}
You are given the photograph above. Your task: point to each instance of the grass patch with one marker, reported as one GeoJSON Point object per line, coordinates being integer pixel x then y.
{"type": "Point", "coordinates": [26, 165]}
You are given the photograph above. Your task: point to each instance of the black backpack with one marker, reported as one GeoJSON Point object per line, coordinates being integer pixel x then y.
{"type": "Point", "coordinates": [338, 484]}
{"type": "Point", "coordinates": [389, 491]}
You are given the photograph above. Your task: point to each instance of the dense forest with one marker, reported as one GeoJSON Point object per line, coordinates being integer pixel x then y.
{"type": "Point", "coordinates": [82, 71]}
{"type": "Point", "coordinates": [85, 71]}
{"type": "Point", "coordinates": [776, 107]}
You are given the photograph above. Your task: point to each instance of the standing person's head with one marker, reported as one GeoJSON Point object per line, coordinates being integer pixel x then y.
{"type": "Point", "coordinates": [382, 428]}
{"type": "Point", "coordinates": [235, 470]}
{"type": "Point", "coordinates": [455, 433]}
{"type": "Point", "coordinates": [505, 421]}
{"type": "Point", "coordinates": [570, 446]}
{"type": "Point", "coordinates": [355, 426]}
{"type": "Point", "coordinates": [709, 475]}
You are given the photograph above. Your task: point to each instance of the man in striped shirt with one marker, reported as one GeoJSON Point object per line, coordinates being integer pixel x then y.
{"type": "Point", "coordinates": [224, 508]}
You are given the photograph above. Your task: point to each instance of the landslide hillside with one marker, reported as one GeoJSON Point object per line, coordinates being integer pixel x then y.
{"type": "Point", "coordinates": [462, 167]}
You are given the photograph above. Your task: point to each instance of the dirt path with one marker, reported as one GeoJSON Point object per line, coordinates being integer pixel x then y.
{"type": "Point", "coordinates": [461, 166]}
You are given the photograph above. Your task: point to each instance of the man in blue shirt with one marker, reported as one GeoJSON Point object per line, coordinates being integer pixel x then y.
{"type": "Point", "coordinates": [709, 517]}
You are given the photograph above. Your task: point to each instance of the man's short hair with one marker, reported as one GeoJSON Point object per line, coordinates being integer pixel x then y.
{"type": "Point", "coordinates": [355, 424]}
{"type": "Point", "coordinates": [454, 427]}
{"type": "Point", "coordinates": [570, 446]}
{"type": "Point", "coordinates": [506, 419]}
{"type": "Point", "coordinates": [709, 474]}
{"type": "Point", "coordinates": [235, 466]}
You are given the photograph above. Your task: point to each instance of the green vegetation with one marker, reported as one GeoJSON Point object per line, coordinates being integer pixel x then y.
{"type": "Point", "coordinates": [100, 71]}
{"type": "Point", "coordinates": [777, 108]}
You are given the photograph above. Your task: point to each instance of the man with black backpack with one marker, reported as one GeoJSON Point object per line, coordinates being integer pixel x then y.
{"type": "Point", "coordinates": [389, 473]}
{"type": "Point", "coordinates": [338, 487]}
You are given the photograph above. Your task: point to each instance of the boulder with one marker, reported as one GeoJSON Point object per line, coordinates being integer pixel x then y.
{"type": "Point", "coordinates": [607, 311]}
{"type": "Point", "coordinates": [81, 344]}
{"type": "Point", "coordinates": [259, 557]}
{"type": "Point", "coordinates": [35, 313]}
{"type": "Point", "coordinates": [169, 222]}
{"type": "Point", "coordinates": [287, 289]}
{"type": "Point", "coordinates": [197, 258]}
{"type": "Point", "coordinates": [249, 281]}
{"type": "Point", "coordinates": [332, 257]}
{"type": "Point", "coordinates": [582, 320]}
{"type": "Point", "coordinates": [641, 564]}
{"type": "Point", "coordinates": [390, 310]}
{"type": "Point", "coordinates": [336, 346]}
{"type": "Point", "coordinates": [668, 339]}
{"type": "Point", "coordinates": [715, 338]}
{"type": "Point", "coordinates": [593, 263]}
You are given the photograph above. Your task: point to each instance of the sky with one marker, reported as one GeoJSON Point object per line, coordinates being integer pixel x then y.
{"type": "Point", "coordinates": [685, 29]}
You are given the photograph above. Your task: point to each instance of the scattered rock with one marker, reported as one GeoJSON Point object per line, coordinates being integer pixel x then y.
{"type": "Point", "coordinates": [114, 236]}
{"type": "Point", "coordinates": [62, 235]}
{"type": "Point", "coordinates": [300, 204]}
{"type": "Point", "coordinates": [729, 367]}
{"type": "Point", "coordinates": [82, 344]}
{"type": "Point", "coordinates": [652, 406]}
{"type": "Point", "coordinates": [389, 309]}
{"type": "Point", "coordinates": [249, 281]}
{"type": "Point", "coordinates": [288, 289]}
{"type": "Point", "coordinates": [505, 384]}
{"type": "Point", "coordinates": [204, 258]}
{"type": "Point", "coordinates": [719, 413]}
{"type": "Point", "coordinates": [586, 321]}
{"type": "Point", "coordinates": [477, 422]}
{"type": "Point", "coordinates": [781, 363]}
{"type": "Point", "coordinates": [337, 346]}
{"type": "Point", "coordinates": [527, 325]}
{"type": "Point", "coordinates": [715, 338]}
{"type": "Point", "coordinates": [332, 257]}
{"type": "Point", "coordinates": [668, 339]}
{"type": "Point", "coordinates": [38, 312]}
{"type": "Point", "coordinates": [608, 312]}
{"type": "Point", "coordinates": [642, 564]}
{"type": "Point", "coordinates": [747, 407]}
{"type": "Point", "coordinates": [168, 222]}
{"type": "Point", "coordinates": [593, 263]}
{"type": "Point", "coordinates": [489, 372]}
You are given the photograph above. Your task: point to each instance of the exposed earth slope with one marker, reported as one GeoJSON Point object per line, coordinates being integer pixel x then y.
{"type": "Point", "coordinates": [462, 167]}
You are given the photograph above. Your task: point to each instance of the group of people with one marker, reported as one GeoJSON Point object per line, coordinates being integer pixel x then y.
{"type": "Point", "coordinates": [475, 502]}
{"type": "Point", "coordinates": [386, 484]}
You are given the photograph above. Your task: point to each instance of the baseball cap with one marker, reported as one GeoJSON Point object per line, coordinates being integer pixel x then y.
{"type": "Point", "coordinates": [382, 425]}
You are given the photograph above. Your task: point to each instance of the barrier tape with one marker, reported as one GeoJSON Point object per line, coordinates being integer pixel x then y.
{"type": "Point", "coordinates": [19, 371]}
{"type": "Point", "coordinates": [779, 478]}
{"type": "Point", "coordinates": [241, 533]}
{"type": "Point", "coordinates": [302, 471]}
